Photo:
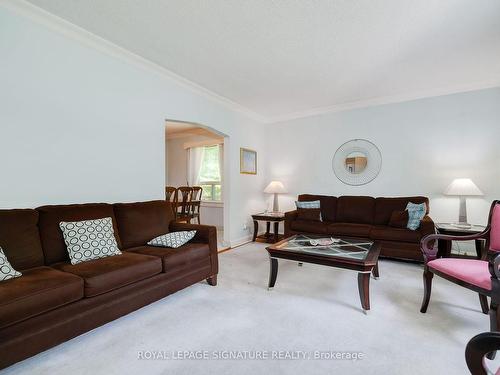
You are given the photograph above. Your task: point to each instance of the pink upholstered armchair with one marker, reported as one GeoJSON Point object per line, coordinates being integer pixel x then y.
{"type": "Point", "coordinates": [481, 276]}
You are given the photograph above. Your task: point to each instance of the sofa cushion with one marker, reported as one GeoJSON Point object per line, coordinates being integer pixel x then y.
{"type": "Point", "coordinates": [140, 222]}
{"type": "Point", "coordinates": [51, 235]}
{"type": "Point", "coordinates": [305, 226]}
{"type": "Point", "coordinates": [349, 229]}
{"type": "Point", "coordinates": [20, 239]}
{"type": "Point", "coordinates": [89, 239]}
{"type": "Point", "coordinates": [382, 232]}
{"type": "Point", "coordinates": [106, 274]}
{"type": "Point", "coordinates": [39, 290]}
{"type": "Point", "coordinates": [328, 205]}
{"type": "Point", "coordinates": [355, 209]}
{"type": "Point", "coordinates": [384, 207]}
{"type": "Point", "coordinates": [183, 257]}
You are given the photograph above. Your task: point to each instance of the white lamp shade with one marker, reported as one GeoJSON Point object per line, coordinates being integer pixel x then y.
{"type": "Point", "coordinates": [275, 187]}
{"type": "Point", "coordinates": [462, 186]}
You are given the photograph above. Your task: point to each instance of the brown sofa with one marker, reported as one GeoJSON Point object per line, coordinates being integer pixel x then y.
{"type": "Point", "coordinates": [55, 301]}
{"type": "Point", "coordinates": [364, 217]}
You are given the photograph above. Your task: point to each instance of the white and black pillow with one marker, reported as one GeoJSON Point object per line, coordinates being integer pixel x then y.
{"type": "Point", "coordinates": [173, 239]}
{"type": "Point", "coordinates": [6, 270]}
{"type": "Point", "coordinates": [89, 239]}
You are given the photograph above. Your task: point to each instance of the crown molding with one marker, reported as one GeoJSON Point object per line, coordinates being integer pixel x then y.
{"type": "Point", "coordinates": [70, 30]}
{"type": "Point", "coordinates": [393, 99]}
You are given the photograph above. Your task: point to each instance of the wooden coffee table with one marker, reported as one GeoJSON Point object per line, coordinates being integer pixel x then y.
{"type": "Point", "coordinates": [348, 253]}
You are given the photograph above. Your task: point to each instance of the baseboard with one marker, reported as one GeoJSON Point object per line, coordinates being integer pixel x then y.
{"type": "Point", "coordinates": [241, 241]}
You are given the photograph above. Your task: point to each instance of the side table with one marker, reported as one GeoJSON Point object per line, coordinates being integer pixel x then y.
{"type": "Point", "coordinates": [444, 247]}
{"type": "Point", "coordinates": [268, 217]}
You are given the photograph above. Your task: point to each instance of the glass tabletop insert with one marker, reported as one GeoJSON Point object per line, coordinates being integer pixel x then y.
{"type": "Point", "coordinates": [338, 247]}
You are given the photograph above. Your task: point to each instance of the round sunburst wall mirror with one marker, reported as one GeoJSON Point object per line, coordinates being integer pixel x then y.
{"type": "Point", "coordinates": [357, 162]}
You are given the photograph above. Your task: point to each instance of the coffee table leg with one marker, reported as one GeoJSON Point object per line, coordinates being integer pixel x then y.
{"type": "Point", "coordinates": [255, 230]}
{"type": "Point", "coordinates": [375, 271]}
{"type": "Point", "coordinates": [364, 289]}
{"type": "Point", "coordinates": [273, 272]}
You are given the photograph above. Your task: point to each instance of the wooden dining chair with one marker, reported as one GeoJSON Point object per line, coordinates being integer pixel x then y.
{"type": "Point", "coordinates": [481, 276]}
{"type": "Point", "coordinates": [170, 193]}
{"type": "Point", "coordinates": [196, 203]}
{"type": "Point", "coordinates": [183, 203]}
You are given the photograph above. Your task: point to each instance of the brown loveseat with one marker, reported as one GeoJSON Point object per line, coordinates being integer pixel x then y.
{"type": "Point", "coordinates": [54, 301]}
{"type": "Point", "coordinates": [364, 217]}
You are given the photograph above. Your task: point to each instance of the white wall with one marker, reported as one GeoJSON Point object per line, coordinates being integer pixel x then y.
{"type": "Point", "coordinates": [211, 213]}
{"type": "Point", "coordinates": [424, 145]}
{"type": "Point", "coordinates": [79, 124]}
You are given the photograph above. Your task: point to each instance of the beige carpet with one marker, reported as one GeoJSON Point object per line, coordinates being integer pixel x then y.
{"type": "Point", "coordinates": [311, 310]}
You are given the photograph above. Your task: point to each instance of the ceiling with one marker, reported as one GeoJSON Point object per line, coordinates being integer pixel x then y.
{"type": "Point", "coordinates": [290, 58]}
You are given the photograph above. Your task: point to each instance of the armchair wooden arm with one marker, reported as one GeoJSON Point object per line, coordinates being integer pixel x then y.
{"type": "Point", "coordinates": [477, 348]}
{"type": "Point", "coordinates": [428, 244]}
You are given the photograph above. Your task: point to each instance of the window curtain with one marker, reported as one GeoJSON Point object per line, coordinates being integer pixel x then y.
{"type": "Point", "coordinates": [194, 165]}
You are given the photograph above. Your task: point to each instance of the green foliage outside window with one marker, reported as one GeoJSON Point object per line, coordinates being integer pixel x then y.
{"type": "Point", "coordinates": [210, 176]}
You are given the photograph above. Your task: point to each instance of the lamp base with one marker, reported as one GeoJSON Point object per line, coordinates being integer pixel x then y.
{"type": "Point", "coordinates": [276, 207]}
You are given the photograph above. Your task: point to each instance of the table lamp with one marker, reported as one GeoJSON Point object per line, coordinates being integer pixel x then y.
{"type": "Point", "coordinates": [275, 187]}
{"type": "Point", "coordinates": [463, 187]}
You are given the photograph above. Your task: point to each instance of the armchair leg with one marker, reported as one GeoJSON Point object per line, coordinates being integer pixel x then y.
{"type": "Point", "coordinates": [494, 324]}
{"type": "Point", "coordinates": [494, 314]}
{"type": "Point", "coordinates": [427, 276]}
{"type": "Point", "coordinates": [212, 280]}
{"type": "Point", "coordinates": [483, 300]}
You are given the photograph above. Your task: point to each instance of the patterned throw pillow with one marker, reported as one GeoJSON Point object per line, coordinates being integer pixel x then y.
{"type": "Point", "coordinates": [173, 239]}
{"type": "Point", "coordinates": [309, 205]}
{"type": "Point", "coordinates": [89, 239]}
{"type": "Point", "coordinates": [6, 270]}
{"type": "Point", "coordinates": [416, 212]}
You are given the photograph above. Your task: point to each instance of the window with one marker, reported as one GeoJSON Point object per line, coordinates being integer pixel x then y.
{"type": "Point", "coordinates": [210, 174]}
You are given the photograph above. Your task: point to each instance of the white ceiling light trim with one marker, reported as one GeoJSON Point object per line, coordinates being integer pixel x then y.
{"type": "Point", "coordinates": [62, 26]}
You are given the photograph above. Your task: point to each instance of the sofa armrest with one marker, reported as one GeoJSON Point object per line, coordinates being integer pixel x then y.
{"type": "Point", "coordinates": [289, 217]}
{"type": "Point", "coordinates": [204, 234]}
{"type": "Point", "coordinates": [427, 226]}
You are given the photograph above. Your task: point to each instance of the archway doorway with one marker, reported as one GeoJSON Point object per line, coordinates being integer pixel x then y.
{"type": "Point", "coordinates": [195, 157]}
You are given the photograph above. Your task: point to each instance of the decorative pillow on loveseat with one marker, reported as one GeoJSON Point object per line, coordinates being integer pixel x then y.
{"type": "Point", "coordinates": [89, 239]}
{"type": "Point", "coordinates": [173, 239]}
{"type": "Point", "coordinates": [416, 213]}
{"type": "Point", "coordinates": [309, 210]}
{"type": "Point", "coordinates": [6, 270]}
{"type": "Point", "coordinates": [399, 219]}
